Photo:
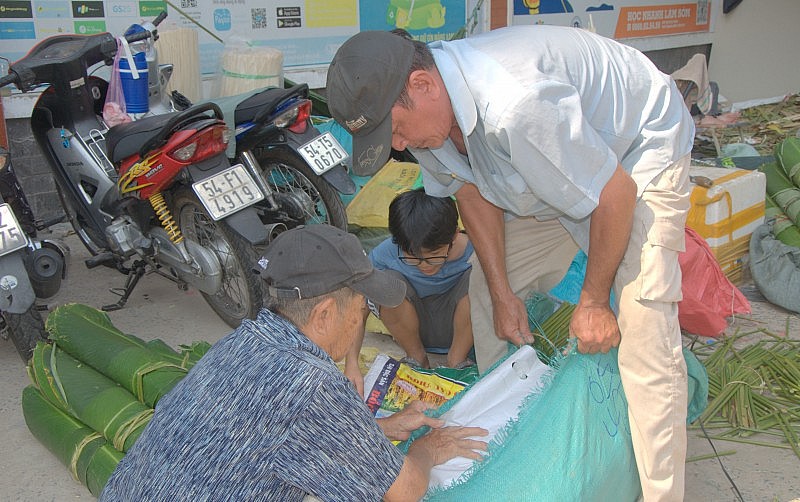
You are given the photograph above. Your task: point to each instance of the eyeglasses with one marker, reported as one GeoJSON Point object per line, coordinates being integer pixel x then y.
{"type": "Point", "coordinates": [430, 260]}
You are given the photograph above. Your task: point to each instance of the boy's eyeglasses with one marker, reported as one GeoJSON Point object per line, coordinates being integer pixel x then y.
{"type": "Point", "coordinates": [430, 260]}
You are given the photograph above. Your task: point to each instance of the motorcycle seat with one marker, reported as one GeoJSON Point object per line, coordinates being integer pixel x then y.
{"type": "Point", "coordinates": [124, 140]}
{"type": "Point", "coordinates": [249, 109]}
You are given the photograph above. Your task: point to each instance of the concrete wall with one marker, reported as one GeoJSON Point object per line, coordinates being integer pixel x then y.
{"type": "Point", "coordinates": [755, 50]}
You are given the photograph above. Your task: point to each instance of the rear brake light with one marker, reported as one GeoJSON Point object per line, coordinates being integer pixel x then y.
{"type": "Point", "coordinates": [303, 114]}
{"type": "Point", "coordinates": [206, 143]}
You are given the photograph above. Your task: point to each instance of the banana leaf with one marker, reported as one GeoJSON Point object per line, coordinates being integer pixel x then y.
{"type": "Point", "coordinates": [88, 335]}
{"type": "Point", "coordinates": [788, 154]}
{"type": "Point", "coordinates": [186, 358]}
{"type": "Point", "coordinates": [785, 195]}
{"type": "Point", "coordinates": [89, 396]}
{"type": "Point", "coordinates": [89, 457]}
{"type": "Point", "coordinates": [782, 227]}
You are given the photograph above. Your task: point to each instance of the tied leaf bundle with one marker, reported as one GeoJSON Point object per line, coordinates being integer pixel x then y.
{"type": "Point", "coordinates": [89, 457]}
{"type": "Point", "coordinates": [89, 396]}
{"type": "Point", "coordinates": [88, 335]}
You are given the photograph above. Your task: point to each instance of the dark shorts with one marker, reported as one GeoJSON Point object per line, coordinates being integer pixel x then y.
{"type": "Point", "coordinates": [436, 312]}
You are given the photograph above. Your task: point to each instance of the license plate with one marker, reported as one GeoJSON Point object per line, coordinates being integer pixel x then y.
{"type": "Point", "coordinates": [227, 192]}
{"type": "Point", "coordinates": [11, 236]}
{"type": "Point", "coordinates": [323, 152]}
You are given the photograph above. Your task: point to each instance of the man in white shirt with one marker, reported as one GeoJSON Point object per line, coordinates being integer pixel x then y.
{"type": "Point", "coordinates": [551, 139]}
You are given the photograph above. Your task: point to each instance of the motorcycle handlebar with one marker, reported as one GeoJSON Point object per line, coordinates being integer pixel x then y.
{"type": "Point", "coordinates": [11, 78]}
{"type": "Point", "coordinates": [160, 17]}
{"type": "Point", "coordinates": [135, 37]}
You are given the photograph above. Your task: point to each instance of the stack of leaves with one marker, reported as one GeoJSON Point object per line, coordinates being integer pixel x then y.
{"type": "Point", "coordinates": [94, 389]}
{"type": "Point", "coordinates": [753, 389]}
{"type": "Point", "coordinates": [783, 191]}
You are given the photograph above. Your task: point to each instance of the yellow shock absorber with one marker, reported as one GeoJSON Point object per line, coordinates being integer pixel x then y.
{"type": "Point", "coordinates": [162, 211]}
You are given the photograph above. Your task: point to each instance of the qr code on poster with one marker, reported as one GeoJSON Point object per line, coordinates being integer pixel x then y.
{"type": "Point", "coordinates": [258, 18]}
{"type": "Point", "coordinates": [188, 4]}
{"type": "Point", "coordinates": [702, 12]}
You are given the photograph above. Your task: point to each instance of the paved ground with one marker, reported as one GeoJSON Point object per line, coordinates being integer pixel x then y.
{"type": "Point", "coordinates": [157, 309]}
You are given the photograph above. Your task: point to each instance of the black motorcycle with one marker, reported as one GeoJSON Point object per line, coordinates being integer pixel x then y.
{"type": "Point", "coordinates": [30, 268]}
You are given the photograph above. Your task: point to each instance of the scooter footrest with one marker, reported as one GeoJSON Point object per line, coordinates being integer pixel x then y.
{"type": "Point", "coordinates": [99, 259]}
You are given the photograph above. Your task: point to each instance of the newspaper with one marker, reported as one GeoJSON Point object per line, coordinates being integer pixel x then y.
{"type": "Point", "coordinates": [390, 385]}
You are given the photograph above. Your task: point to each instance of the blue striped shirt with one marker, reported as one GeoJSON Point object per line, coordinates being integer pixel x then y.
{"type": "Point", "coordinates": [265, 415]}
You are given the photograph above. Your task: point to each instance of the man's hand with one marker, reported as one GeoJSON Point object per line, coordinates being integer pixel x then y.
{"type": "Point", "coordinates": [440, 445]}
{"type": "Point", "coordinates": [511, 320]}
{"type": "Point", "coordinates": [596, 328]}
{"type": "Point", "coordinates": [398, 427]}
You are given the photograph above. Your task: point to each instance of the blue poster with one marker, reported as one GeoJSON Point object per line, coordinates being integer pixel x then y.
{"type": "Point", "coordinates": [425, 20]}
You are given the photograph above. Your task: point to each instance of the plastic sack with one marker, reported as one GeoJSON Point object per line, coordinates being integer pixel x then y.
{"type": "Point", "coordinates": [570, 439]}
{"type": "Point", "coordinates": [776, 268]}
{"type": "Point", "coordinates": [556, 433]}
{"type": "Point", "coordinates": [708, 296]}
{"type": "Point", "coordinates": [114, 112]}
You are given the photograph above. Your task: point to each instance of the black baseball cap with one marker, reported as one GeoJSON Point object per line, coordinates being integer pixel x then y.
{"type": "Point", "coordinates": [365, 78]}
{"type": "Point", "coordinates": [313, 260]}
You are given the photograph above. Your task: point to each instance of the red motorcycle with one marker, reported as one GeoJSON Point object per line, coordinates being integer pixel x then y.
{"type": "Point", "coordinates": [157, 195]}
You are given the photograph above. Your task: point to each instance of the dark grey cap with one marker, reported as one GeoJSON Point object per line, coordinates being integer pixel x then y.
{"type": "Point", "coordinates": [313, 260]}
{"type": "Point", "coordinates": [365, 78]}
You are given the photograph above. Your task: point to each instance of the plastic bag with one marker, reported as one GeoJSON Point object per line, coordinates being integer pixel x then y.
{"type": "Point", "coordinates": [114, 112]}
{"type": "Point", "coordinates": [708, 296]}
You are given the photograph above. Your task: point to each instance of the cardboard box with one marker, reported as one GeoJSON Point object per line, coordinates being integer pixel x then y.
{"type": "Point", "coordinates": [727, 212]}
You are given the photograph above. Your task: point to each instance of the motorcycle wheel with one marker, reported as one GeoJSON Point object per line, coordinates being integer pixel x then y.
{"type": "Point", "coordinates": [240, 296]}
{"type": "Point", "coordinates": [25, 331]}
{"type": "Point", "coordinates": [288, 173]}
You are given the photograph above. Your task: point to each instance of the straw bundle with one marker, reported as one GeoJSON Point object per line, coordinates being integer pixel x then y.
{"type": "Point", "coordinates": [179, 46]}
{"type": "Point", "coordinates": [89, 457]}
{"type": "Point", "coordinates": [248, 68]}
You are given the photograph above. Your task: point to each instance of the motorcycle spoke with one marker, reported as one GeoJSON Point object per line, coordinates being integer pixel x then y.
{"type": "Point", "coordinates": [284, 179]}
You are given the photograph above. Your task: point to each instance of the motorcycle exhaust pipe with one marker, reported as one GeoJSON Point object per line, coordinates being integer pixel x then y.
{"type": "Point", "coordinates": [273, 229]}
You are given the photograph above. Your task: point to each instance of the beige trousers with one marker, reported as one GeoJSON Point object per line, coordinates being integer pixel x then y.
{"type": "Point", "coordinates": [647, 287]}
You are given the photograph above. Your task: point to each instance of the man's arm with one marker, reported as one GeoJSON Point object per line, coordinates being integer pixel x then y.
{"type": "Point", "coordinates": [486, 229]}
{"type": "Point", "coordinates": [593, 322]}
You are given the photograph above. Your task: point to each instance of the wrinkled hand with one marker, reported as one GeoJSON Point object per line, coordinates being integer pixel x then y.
{"type": "Point", "coordinates": [595, 327]}
{"type": "Point", "coordinates": [511, 320]}
{"type": "Point", "coordinates": [399, 426]}
{"type": "Point", "coordinates": [440, 445]}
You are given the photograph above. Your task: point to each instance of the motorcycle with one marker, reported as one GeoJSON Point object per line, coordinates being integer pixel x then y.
{"type": "Point", "coordinates": [301, 170]}
{"type": "Point", "coordinates": [31, 268]}
{"type": "Point", "coordinates": [156, 195]}
{"type": "Point", "coordinates": [274, 136]}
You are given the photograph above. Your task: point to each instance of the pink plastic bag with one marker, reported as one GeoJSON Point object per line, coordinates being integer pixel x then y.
{"type": "Point", "coordinates": [114, 107]}
{"type": "Point", "coordinates": [709, 298]}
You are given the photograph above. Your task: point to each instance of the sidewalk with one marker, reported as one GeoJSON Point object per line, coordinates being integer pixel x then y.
{"type": "Point", "coordinates": [157, 309]}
